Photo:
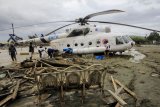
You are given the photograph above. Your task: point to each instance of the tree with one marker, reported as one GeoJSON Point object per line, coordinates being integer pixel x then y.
{"type": "Point", "coordinates": [154, 36]}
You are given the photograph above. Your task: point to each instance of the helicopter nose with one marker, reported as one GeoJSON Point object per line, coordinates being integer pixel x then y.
{"type": "Point", "coordinates": [132, 44]}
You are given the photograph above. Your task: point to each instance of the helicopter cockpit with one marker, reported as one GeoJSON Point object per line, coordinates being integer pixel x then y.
{"type": "Point", "coordinates": [123, 40]}
{"type": "Point", "coordinates": [78, 32]}
{"type": "Point", "coordinates": [119, 40]}
{"type": "Point", "coordinates": [126, 40]}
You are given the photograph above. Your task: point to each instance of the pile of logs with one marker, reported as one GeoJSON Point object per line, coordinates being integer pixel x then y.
{"type": "Point", "coordinates": [43, 76]}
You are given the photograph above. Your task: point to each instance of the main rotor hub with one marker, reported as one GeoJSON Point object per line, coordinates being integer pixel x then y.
{"type": "Point", "coordinates": [82, 21]}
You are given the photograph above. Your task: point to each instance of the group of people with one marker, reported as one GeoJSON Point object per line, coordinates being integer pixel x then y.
{"type": "Point", "coordinates": [41, 50]}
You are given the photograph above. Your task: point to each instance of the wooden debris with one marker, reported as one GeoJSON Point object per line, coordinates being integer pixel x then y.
{"type": "Point", "coordinates": [5, 100]}
{"type": "Point", "coordinates": [118, 90]}
{"type": "Point", "coordinates": [118, 105]}
{"type": "Point", "coordinates": [9, 75]}
{"type": "Point", "coordinates": [59, 63]}
{"type": "Point", "coordinates": [12, 96]}
{"type": "Point", "coordinates": [119, 99]}
{"type": "Point", "coordinates": [126, 89]}
{"type": "Point", "coordinates": [111, 100]}
{"type": "Point", "coordinates": [40, 71]}
{"type": "Point", "coordinates": [114, 84]}
{"type": "Point", "coordinates": [46, 64]}
{"type": "Point", "coordinates": [29, 71]}
{"type": "Point", "coordinates": [16, 90]}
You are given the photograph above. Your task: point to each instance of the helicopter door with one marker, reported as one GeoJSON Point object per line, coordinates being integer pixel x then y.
{"type": "Point", "coordinates": [106, 44]}
{"type": "Point", "coordinates": [120, 43]}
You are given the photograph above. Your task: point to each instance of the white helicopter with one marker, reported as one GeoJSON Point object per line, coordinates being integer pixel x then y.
{"type": "Point", "coordinates": [87, 38]}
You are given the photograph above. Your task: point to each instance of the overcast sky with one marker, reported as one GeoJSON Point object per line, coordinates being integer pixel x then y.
{"type": "Point", "coordinates": [145, 13]}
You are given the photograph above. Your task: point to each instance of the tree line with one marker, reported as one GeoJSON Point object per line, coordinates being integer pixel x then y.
{"type": "Point", "coordinates": [153, 38]}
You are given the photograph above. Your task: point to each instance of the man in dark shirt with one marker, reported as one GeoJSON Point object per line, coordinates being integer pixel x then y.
{"type": "Point", "coordinates": [31, 50]}
{"type": "Point", "coordinates": [50, 52]}
{"type": "Point", "coordinates": [12, 52]}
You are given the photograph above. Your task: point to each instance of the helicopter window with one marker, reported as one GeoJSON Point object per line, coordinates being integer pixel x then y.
{"type": "Point", "coordinates": [125, 39]}
{"type": "Point", "coordinates": [90, 43]}
{"type": "Point", "coordinates": [86, 31]}
{"type": "Point", "coordinates": [119, 40]}
{"type": "Point", "coordinates": [76, 44]}
{"type": "Point", "coordinates": [68, 45]}
{"type": "Point", "coordinates": [98, 41]}
{"type": "Point", "coordinates": [105, 41]}
{"type": "Point", "coordinates": [129, 39]}
{"type": "Point", "coordinates": [77, 32]}
{"type": "Point", "coordinates": [82, 44]}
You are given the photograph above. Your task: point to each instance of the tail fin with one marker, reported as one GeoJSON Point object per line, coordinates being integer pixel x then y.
{"type": "Point", "coordinates": [14, 38]}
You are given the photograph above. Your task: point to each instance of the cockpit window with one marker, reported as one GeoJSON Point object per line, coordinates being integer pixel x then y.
{"type": "Point", "coordinates": [125, 39]}
{"type": "Point", "coordinates": [86, 31]}
{"type": "Point", "coordinates": [78, 32]}
{"type": "Point", "coordinates": [119, 40]}
{"type": "Point", "coordinates": [129, 38]}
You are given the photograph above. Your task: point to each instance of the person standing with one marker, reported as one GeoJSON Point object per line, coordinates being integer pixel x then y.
{"type": "Point", "coordinates": [41, 51]}
{"type": "Point", "coordinates": [50, 52]}
{"type": "Point", "coordinates": [31, 50]}
{"type": "Point", "coordinates": [13, 52]}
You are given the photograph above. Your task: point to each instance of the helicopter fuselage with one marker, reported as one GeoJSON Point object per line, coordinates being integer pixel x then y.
{"type": "Point", "coordinates": [86, 39]}
{"type": "Point", "coordinates": [97, 43]}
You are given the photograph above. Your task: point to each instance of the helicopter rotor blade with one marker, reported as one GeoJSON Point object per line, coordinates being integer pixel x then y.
{"type": "Point", "coordinates": [42, 23]}
{"type": "Point", "coordinates": [59, 28]}
{"type": "Point", "coordinates": [17, 27]}
{"type": "Point", "coordinates": [101, 13]}
{"type": "Point", "coordinates": [114, 23]}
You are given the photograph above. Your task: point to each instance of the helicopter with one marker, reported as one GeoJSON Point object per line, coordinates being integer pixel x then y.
{"type": "Point", "coordinates": [87, 38]}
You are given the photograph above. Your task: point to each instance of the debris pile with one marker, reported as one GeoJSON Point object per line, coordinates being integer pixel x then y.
{"type": "Point", "coordinates": [43, 78]}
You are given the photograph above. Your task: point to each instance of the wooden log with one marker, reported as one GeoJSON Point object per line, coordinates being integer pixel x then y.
{"type": "Point", "coordinates": [46, 64]}
{"type": "Point", "coordinates": [24, 53]}
{"type": "Point", "coordinates": [126, 89]}
{"type": "Point", "coordinates": [10, 75]}
{"type": "Point", "coordinates": [118, 105]}
{"type": "Point", "coordinates": [12, 96]}
{"type": "Point", "coordinates": [114, 84]}
{"type": "Point", "coordinates": [119, 99]}
{"type": "Point", "coordinates": [57, 63]}
{"type": "Point", "coordinates": [117, 91]}
{"type": "Point", "coordinates": [111, 100]}
{"type": "Point", "coordinates": [83, 90]}
{"type": "Point", "coordinates": [5, 100]}
{"type": "Point", "coordinates": [16, 90]}
{"type": "Point", "coordinates": [40, 71]}
{"type": "Point", "coordinates": [30, 78]}
{"type": "Point", "coordinates": [29, 71]}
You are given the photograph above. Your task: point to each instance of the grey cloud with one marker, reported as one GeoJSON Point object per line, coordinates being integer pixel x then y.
{"type": "Point", "coordinates": [25, 12]}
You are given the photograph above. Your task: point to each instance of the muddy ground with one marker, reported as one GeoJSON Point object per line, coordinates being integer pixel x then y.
{"type": "Point", "coordinates": [142, 78]}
